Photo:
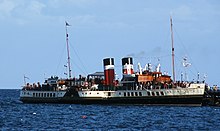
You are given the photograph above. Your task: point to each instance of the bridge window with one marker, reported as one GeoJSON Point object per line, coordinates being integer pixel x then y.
{"type": "Point", "coordinates": [132, 93]}
{"type": "Point", "coordinates": [148, 93]}
{"type": "Point", "coordinates": [157, 93]}
{"type": "Point", "coordinates": [124, 93]}
{"type": "Point", "coordinates": [33, 94]}
{"type": "Point", "coordinates": [162, 93]}
{"type": "Point", "coordinates": [128, 93]}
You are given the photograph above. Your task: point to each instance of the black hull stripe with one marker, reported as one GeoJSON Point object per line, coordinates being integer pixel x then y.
{"type": "Point", "coordinates": [184, 100]}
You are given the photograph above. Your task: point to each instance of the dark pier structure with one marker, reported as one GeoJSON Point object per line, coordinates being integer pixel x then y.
{"type": "Point", "coordinates": [211, 97]}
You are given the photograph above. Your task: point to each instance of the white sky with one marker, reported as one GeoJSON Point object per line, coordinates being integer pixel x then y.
{"type": "Point", "coordinates": [32, 36]}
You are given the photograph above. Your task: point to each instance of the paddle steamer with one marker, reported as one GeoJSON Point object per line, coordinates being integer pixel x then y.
{"type": "Point", "coordinates": [145, 86]}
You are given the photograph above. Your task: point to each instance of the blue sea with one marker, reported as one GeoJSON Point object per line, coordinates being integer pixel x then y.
{"type": "Point", "coordinates": [18, 116]}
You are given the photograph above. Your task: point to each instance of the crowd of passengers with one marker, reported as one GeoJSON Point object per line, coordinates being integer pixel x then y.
{"type": "Point", "coordinates": [51, 86]}
{"type": "Point", "coordinates": [168, 85]}
{"type": "Point", "coordinates": [39, 87]}
{"type": "Point", "coordinates": [215, 88]}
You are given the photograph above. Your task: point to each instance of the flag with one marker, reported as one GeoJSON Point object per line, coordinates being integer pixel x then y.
{"type": "Point", "coordinates": [67, 24]}
{"type": "Point", "coordinates": [25, 77]}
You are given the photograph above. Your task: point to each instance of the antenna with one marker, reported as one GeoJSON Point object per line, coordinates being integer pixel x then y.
{"type": "Point", "coordinates": [171, 27]}
{"type": "Point", "coordinates": [68, 52]}
{"type": "Point", "coordinates": [204, 77]}
{"type": "Point", "coordinates": [181, 76]}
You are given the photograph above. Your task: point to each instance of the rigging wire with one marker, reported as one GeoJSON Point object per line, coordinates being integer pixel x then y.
{"type": "Point", "coordinates": [151, 57]}
{"type": "Point", "coordinates": [75, 52]}
{"type": "Point", "coordinates": [180, 70]}
{"type": "Point", "coordinates": [181, 43]}
{"type": "Point", "coordinates": [78, 67]}
{"type": "Point", "coordinates": [60, 59]}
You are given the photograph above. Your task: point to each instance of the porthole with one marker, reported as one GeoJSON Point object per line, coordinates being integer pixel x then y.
{"type": "Point", "coordinates": [136, 94]}
{"type": "Point", "coordinates": [140, 93]}
{"type": "Point", "coordinates": [128, 93]}
{"type": "Point", "coordinates": [153, 94]}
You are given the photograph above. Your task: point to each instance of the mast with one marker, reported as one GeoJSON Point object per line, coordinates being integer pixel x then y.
{"type": "Point", "coordinates": [68, 52]}
{"type": "Point", "coordinates": [173, 69]}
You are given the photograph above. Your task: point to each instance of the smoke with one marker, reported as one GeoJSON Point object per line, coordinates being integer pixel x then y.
{"type": "Point", "coordinates": [137, 55]}
{"type": "Point", "coordinates": [156, 51]}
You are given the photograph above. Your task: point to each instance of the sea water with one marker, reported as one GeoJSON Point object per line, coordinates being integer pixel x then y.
{"type": "Point", "coordinates": [14, 115]}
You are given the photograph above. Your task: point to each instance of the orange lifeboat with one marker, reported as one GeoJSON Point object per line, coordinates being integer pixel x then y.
{"type": "Point", "coordinates": [145, 78]}
{"type": "Point", "coordinates": [61, 82]}
{"type": "Point", "coordinates": [163, 78]}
